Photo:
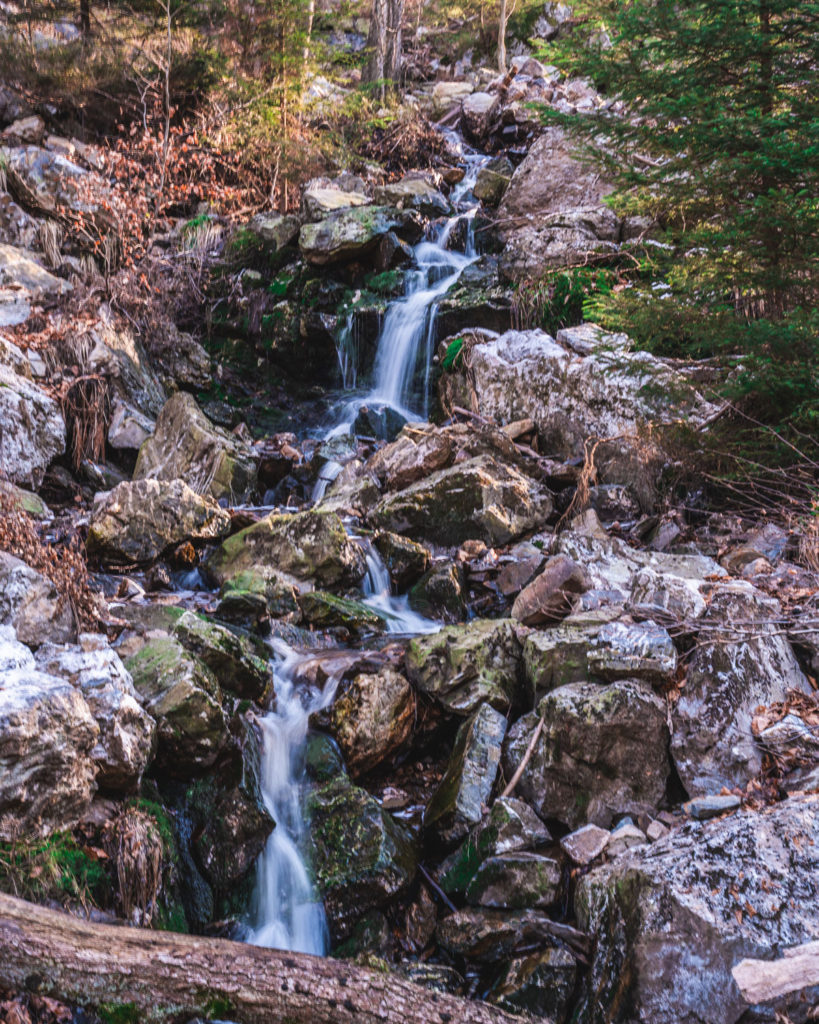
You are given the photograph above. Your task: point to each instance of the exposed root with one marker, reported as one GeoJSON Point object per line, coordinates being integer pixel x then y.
{"type": "Point", "coordinates": [86, 407]}
{"type": "Point", "coordinates": [136, 849]}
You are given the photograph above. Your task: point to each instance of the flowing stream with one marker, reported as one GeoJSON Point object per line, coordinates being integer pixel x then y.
{"type": "Point", "coordinates": [286, 913]}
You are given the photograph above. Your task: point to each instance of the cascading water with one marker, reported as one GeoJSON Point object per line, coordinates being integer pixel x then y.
{"type": "Point", "coordinates": [286, 913]}
{"type": "Point", "coordinates": [400, 618]}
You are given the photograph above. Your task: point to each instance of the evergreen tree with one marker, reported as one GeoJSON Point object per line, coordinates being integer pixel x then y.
{"type": "Point", "coordinates": [721, 149]}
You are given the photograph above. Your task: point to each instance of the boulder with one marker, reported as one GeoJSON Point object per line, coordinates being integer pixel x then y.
{"type": "Point", "coordinates": [603, 751]}
{"type": "Point", "coordinates": [633, 650]}
{"type": "Point", "coordinates": [187, 446]}
{"type": "Point", "coordinates": [47, 735]}
{"type": "Point", "coordinates": [32, 605]}
{"type": "Point", "coordinates": [741, 661]}
{"type": "Point", "coordinates": [274, 231]}
{"type": "Point", "coordinates": [541, 984]}
{"type": "Point", "coordinates": [317, 201]}
{"type": "Point", "coordinates": [360, 857]}
{"type": "Point", "coordinates": [372, 718]}
{"type": "Point", "coordinates": [125, 744]}
{"type": "Point", "coordinates": [115, 353]}
{"type": "Point", "coordinates": [405, 559]}
{"type": "Point", "coordinates": [26, 501]}
{"type": "Point", "coordinates": [439, 594]}
{"type": "Point", "coordinates": [458, 802]}
{"type": "Point", "coordinates": [516, 881]}
{"type": "Point", "coordinates": [347, 234]}
{"type": "Point", "coordinates": [490, 936]}
{"type": "Point", "coordinates": [585, 844]}
{"type": "Point", "coordinates": [33, 429]}
{"type": "Point", "coordinates": [414, 455]}
{"type": "Point", "coordinates": [446, 95]}
{"type": "Point", "coordinates": [142, 519]}
{"type": "Point", "coordinates": [463, 666]}
{"type": "Point", "coordinates": [25, 284]}
{"type": "Point", "coordinates": [480, 498]}
{"type": "Point", "coordinates": [478, 112]}
{"type": "Point", "coordinates": [551, 595]}
{"type": "Point", "coordinates": [673, 918]}
{"type": "Point", "coordinates": [326, 611]}
{"type": "Point", "coordinates": [240, 664]}
{"type": "Point", "coordinates": [493, 180]}
{"type": "Point", "coordinates": [183, 697]}
{"type": "Point", "coordinates": [310, 546]}
{"type": "Point", "coordinates": [129, 429]}
{"type": "Point", "coordinates": [557, 656]}
{"type": "Point", "coordinates": [414, 193]}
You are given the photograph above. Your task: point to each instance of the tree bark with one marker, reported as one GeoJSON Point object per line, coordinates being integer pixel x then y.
{"type": "Point", "coordinates": [502, 20]}
{"type": "Point", "coordinates": [156, 977]}
{"type": "Point", "coordinates": [384, 43]}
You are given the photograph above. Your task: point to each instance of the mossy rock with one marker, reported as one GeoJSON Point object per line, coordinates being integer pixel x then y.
{"type": "Point", "coordinates": [325, 611]}
{"type": "Point", "coordinates": [439, 594]}
{"type": "Point", "coordinates": [236, 661]}
{"type": "Point", "coordinates": [405, 559]}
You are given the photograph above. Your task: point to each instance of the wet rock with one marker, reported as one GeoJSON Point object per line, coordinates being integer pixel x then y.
{"type": "Point", "coordinates": [47, 734]}
{"type": "Point", "coordinates": [125, 744]}
{"type": "Point", "coordinates": [439, 594]}
{"type": "Point", "coordinates": [347, 233]}
{"type": "Point", "coordinates": [672, 919]}
{"type": "Point", "coordinates": [33, 429]}
{"type": "Point", "coordinates": [405, 559]}
{"type": "Point", "coordinates": [239, 664]}
{"type": "Point", "coordinates": [306, 545]}
{"type": "Point", "coordinates": [704, 807]}
{"type": "Point", "coordinates": [324, 611]}
{"type": "Point", "coordinates": [251, 598]}
{"type": "Point", "coordinates": [378, 421]}
{"type": "Point", "coordinates": [584, 844]}
{"type": "Point", "coordinates": [633, 650]}
{"type": "Point", "coordinates": [371, 936]}
{"type": "Point", "coordinates": [275, 231]}
{"type": "Point", "coordinates": [187, 446]}
{"type": "Point", "coordinates": [414, 193]}
{"type": "Point", "coordinates": [477, 499]}
{"type": "Point", "coordinates": [463, 666]}
{"type": "Point", "coordinates": [360, 857]}
{"type": "Point", "coordinates": [478, 112]}
{"type": "Point", "coordinates": [183, 697]}
{"type": "Point", "coordinates": [516, 881]}
{"type": "Point", "coordinates": [31, 604]}
{"type": "Point", "coordinates": [603, 751]}
{"type": "Point", "coordinates": [510, 826]}
{"type": "Point", "coordinates": [464, 791]}
{"type": "Point", "coordinates": [541, 983]}
{"type": "Point", "coordinates": [142, 519]}
{"type": "Point", "coordinates": [493, 180]}
{"type": "Point", "coordinates": [741, 661]}
{"type": "Point", "coordinates": [372, 718]}
{"type": "Point", "coordinates": [551, 595]}
{"type": "Point", "coordinates": [490, 936]}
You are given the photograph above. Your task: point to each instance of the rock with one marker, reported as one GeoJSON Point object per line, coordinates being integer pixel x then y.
{"type": "Point", "coordinates": [186, 361]}
{"type": "Point", "coordinates": [560, 655]}
{"type": "Point", "coordinates": [32, 605]}
{"type": "Point", "coordinates": [372, 718]}
{"type": "Point", "coordinates": [371, 936]}
{"type": "Point", "coordinates": [603, 751]}
{"type": "Point", "coordinates": [493, 180]}
{"type": "Point", "coordinates": [459, 801]}
{"type": "Point", "coordinates": [666, 598]}
{"type": "Point", "coordinates": [585, 844]}
{"type": "Point", "coordinates": [25, 284]}
{"type": "Point", "coordinates": [405, 559]}
{"type": "Point", "coordinates": [624, 837]}
{"type": "Point", "coordinates": [307, 545]}
{"type": "Point", "coordinates": [318, 202]}
{"type": "Point", "coordinates": [26, 501]}
{"type": "Point", "coordinates": [129, 428]}
{"type": "Point", "coordinates": [27, 129]}
{"type": "Point", "coordinates": [480, 498]}
{"type": "Point", "coordinates": [525, 562]}
{"type": "Point", "coordinates": [668, 933]}
{"type": "Point", "coordinates": [142, 519]}
{"type": "Point", "coordinates": [411, 457]}
{"type": "Point", "coordinates": [633, 650]}
{"type": "Point", "coordinates": [510, 827]}
{"type": "Point", "coordinates": [187, 446]}
{"type": "Point", "coordinates": [414, 193]}
{"type": "Point", "coordinates": [275, 231]}
{"type": "Point", "coordinates": [516, 881]}
{"type": "Point", "coordinates": [439, 594]}
{"type": "Point", "coordinates": [489, 936]}
{"type": "Point", "coordinates": [704, 807]}
{"type": "Point", "coordinates": [325, 611]}
{"type": "Point", "coordinates": [125, 744]}
{"type": "Point", "coordinates": [347, 234]}
{"type": "Point", "coordinates": [33, 430]}
{"type": "Point", "coordinates": [47, 734]}
{"type": "Point", "coordinates": [478, 112]}
{"type": "Point", "coordinates": [359, 855]}
{"type": "Point", "coordinates": [551, 595]}
{"type": "Point", "coordinates": [463, 666]}
{"type": "Point", "coordinates": [379, 421]}
{"type": "Point", "coordinates": [607, 394]}
{"type": "Point", "coordinates": [251, 598]}
{"type": "Point", "coordinates": [446, 95]}
{"type": "Point", "coordinates": [183, 697]}
{"type": "Point", "coordinates": [542, 984]}
{"type": "Point", "coordinates": [390, 254]}
{"type": "Point", "coordinates": [728, 678]}
{"type": "Point", "coordinates": [115, 353]}
{"type": "Point", "coordinates": [238, 663]}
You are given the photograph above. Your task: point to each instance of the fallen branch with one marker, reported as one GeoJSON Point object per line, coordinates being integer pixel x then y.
{"type": "Point", "coordinates": [510, 788]}
{"type": "Point", "coordinates": [156, 977]}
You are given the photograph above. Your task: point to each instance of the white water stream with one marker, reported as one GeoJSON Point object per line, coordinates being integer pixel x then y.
{"type": "Point", "coordinates": [286, 913]}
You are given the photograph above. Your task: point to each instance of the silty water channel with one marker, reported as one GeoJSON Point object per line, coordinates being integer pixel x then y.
{"type": "Point", "coordinates": [285, 913]}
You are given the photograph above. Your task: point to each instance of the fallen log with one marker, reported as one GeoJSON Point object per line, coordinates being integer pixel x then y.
{"type": "Point", "coordinates": [133, 974]}
{"type": "Point", "coordinates": [765, 981]}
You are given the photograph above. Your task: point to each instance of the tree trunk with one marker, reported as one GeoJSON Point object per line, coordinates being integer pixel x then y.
{"type": "Point", "coordinates": [155, 977]}
{"type": "Point", "coordinates": [85, 18]}
{"type": "Point", "coordinates": [384, 43]}
{"type": "Point", "coordinates": [502, 19]}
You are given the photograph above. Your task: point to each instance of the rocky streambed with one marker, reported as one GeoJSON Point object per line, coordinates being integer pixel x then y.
{"type": "Point", "coordinates": [465, 700]}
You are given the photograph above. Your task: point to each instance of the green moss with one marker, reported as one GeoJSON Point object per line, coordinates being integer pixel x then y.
{"type": "Point", "coordinates": [219, 1007]}
{"type": "Point", "coordinates": [119, 1013]}
{"type": "Point", "coordinates": [56, 868]}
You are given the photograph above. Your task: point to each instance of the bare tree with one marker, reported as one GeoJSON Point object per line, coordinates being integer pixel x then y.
{"type": "Point", "coordinates": [384, 44]}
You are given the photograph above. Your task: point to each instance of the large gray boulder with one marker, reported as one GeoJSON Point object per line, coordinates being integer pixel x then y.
{"type": "Point", "coordinates": [32, 429]}
{"type": "Point", "coordinates": [347, 233]}
{"type": "Point", "coordinates": [187, 446]}
{"type": "Point", "coordinates": [673, 918]}
{"type": "Point", "coordinates": [125, 744]}
{"type": "Point", "coordinates": [140, 520]}
{"type": "Point", "coordinates": [32, 605]}
{"type": "Point", "coordinates": [47, 736]}
{"type": "Point", "coordinates": [742, 660]}
{"type": "Point", "coordinates": [603, 751]}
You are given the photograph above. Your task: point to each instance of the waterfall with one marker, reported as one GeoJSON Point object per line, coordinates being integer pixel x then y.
{"type": "Point", "coordinates": [347, 352]}
{"type": "Point", "coordinates": [400, 618]}
{"type": "Point", "coordinates": [286, 913]}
